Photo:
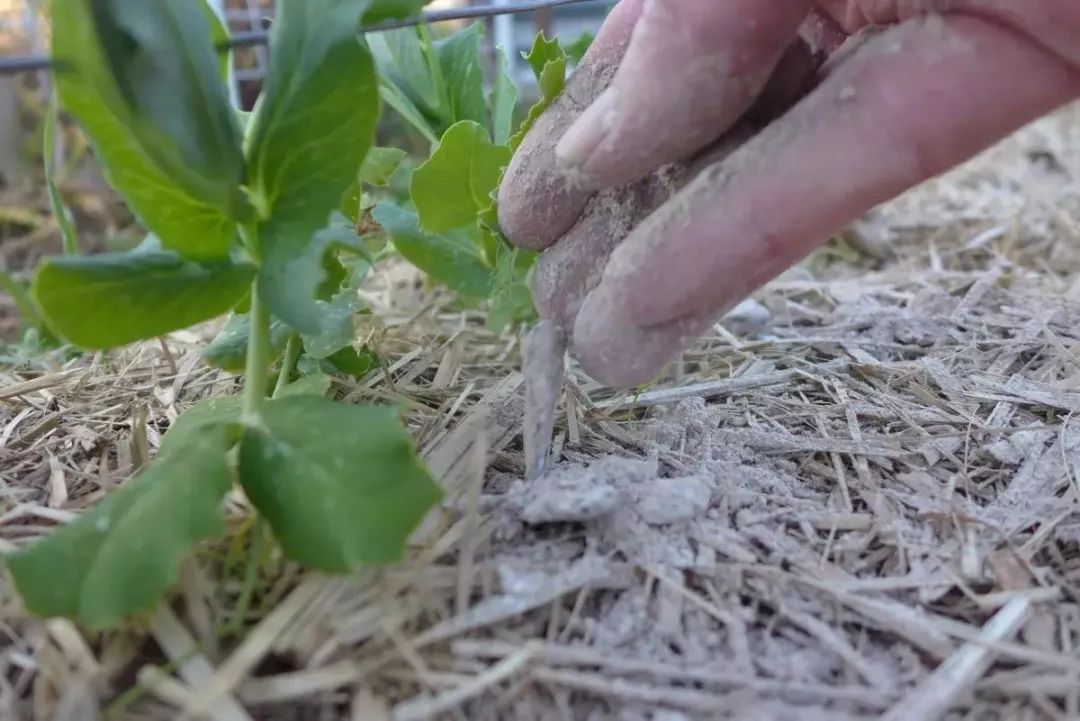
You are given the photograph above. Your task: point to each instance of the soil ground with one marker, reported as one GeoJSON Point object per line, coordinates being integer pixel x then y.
{"type": "Point", "coordinates": [856, 499]}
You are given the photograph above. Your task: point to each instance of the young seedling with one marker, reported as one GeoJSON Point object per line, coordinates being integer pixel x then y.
{"type": "Point", "coordinates": [451, 231]}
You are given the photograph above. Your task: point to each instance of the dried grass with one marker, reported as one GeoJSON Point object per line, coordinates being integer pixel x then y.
{"type": "Point", "coordinates": [893, 530]}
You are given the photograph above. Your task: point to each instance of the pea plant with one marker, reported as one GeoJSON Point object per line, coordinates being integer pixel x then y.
{"type": "Point", "coordinates": [272, 218]}
{"type": "Point", "coordinates": [451, 230]}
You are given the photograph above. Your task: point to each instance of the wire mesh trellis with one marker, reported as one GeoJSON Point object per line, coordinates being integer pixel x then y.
{"type": "Point", "coordinates": [25, 61]}
{"type": "Point", "coordinates": [23, 30]}
{"type": "Point", "coordinates": [512, 33]}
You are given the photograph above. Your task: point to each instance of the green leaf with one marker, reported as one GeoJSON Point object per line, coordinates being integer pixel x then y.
{"type": "Point", "coordinates": [347, 360]}
{"type": "Point", "coordinates": [309, 139]}
{"type": "Point", "coordinates": [225, 411]}
{"type": "Point", "coordinates": [511, 298]}
{"type": "Point", "coordinates": [219, 37]}
{"type": "Point", "coordinates": [315, 384]}
{"type": "Point", "coordinates": [144, 81]}
{"type": "Point", "coordinates": [341, 309]}
{"type": "Point", "coordinates": [340, 485]}
{"type": "Point", "coordinates": [463, 75]}
{"type": "Point", "coordinates": [121, 557]}
{"type": "Point", "coordinates": [220, 411]}
{"type": "Point", "coordinates": [379, 169]}
{"type": "Point", "coordinates": [576, 48]}
{"type": "Point", "coordinates": [291, 278]}
{"type": "Point", "coordinates": [503, 101]}
{"type": "Point", "coordinates": [228, 350]}
{"type": "Point", "coordinates": [317, 116]}
{"type": "Point", "coordinates": [162, 57]}
{"type": "Point", "coordinates": [397, 99]}
{"type": "Point", "coordinates": [445, 257]}
{"type": "Point", "coordinates": [380, 164]}
{"type": "Point", "coordinates": [542, 53]}
{"type": "Point", "coordinates": [553, 80]}
{"type": "Point", "coordinates": [353, 362]}
{"type": "Point", "coordinates": [458, 180]}
{"type": "Point", "coordinates": [548, 62]}
{"type": "Point", "coordinates": [382, 10]}
{"type": "Point", "coordinates": [334, 274]}
{"type": "Point", "coordinates": [406, 59]}
{"type": "Point", "coordinates": [109, 300]}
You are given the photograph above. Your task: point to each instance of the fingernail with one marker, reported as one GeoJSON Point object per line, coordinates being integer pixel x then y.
{"type": "Point", "coordinates": [581, 141]}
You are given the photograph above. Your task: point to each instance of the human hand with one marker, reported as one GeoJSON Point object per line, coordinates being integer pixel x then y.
{"type": "Point", "coordinates": [660, 201]}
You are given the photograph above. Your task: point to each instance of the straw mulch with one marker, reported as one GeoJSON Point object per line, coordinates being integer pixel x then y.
{"type": "Point", "coordinates": [855, 500]}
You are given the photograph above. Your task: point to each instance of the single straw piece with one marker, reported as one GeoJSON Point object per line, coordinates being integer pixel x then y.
{"type": "Point", "coordinates": [543, 351]}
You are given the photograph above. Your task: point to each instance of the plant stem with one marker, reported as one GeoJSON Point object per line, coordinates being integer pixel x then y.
{"type": "Point", "coordinates": [63, 219]}
{"type": "Point", "coordinates": [258, 356]}
{"type": "Point", "coordinates": [251, 578]}
{"type": "Point", "coordinates": [288, 363]}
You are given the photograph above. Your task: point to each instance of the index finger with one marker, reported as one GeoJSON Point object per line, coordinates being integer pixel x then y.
{"type": "Point", "coordinates": [538, 202]}
{"type": "Point", "coordinates": [910, 103]}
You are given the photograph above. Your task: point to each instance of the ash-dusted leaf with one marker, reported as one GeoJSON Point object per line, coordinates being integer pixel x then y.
{"type": "Point", "coordinates": [548, 62]}
{"type": "Point", "coordinates": [311, 133]}
{"type": "Point", "coordinates": [463, 77]}
{"type": "Point", "coordinates": [228, 350]}
{"type": "Point", "coordinates": [109, 300]}
{"type": "Point", "coordinates": [144, 81]}
{"type": "Point", "coordinates": [448, 257]}
{"type": "Point", "coordinates": [503, 101]}
{"type": "Point", "coordinates": [457, 181]}
{"type": "Point", "coordinates": [120, 558]}
{"type": "Point", "coordinates": [340, 485]}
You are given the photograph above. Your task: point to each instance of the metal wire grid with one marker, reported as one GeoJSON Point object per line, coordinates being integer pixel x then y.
{"type": "Point", "coordinates": [24, 32]}
{"type": "Point", "coordinates": [248, 15]}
